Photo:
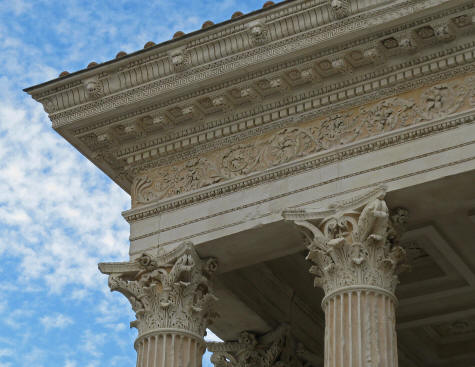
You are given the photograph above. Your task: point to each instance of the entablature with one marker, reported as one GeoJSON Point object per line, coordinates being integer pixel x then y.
{"type": "Point", "coordinates": [296, 61]}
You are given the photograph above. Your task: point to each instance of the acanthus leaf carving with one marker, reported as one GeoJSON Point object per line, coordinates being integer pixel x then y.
{"type": "Point", "coordinates": [355, 243]}
{"type": "Point", "coordinates": [169, 291]}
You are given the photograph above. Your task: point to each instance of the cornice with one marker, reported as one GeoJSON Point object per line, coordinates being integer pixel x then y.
{"type": "Point", "coordinates": [312, 162]}
{"type": "Point", "coordinates": [300, 61]}
{"type": "Point", "coordinates": [120, 89]}
{"type": "Point", "coordinates": [322, 96]}
{"type": "Point", "coordinates": [138, 115]}
{"type": "Point", "coordinates": [289, 110]}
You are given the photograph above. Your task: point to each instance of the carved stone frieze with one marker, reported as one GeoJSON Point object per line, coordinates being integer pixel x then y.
{"type": "Point", "coordinates": [310, 136]}
{"type": "Point", "coordinates": [170, 291]}
{"type": "Point", "coordinates": [354, 243]}
{"type": "Point", "coordinates": [275, 349]}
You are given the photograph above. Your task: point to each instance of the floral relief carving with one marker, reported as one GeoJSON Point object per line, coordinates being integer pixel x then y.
{"type": "Point", "coordinates": [389, 115]}
{"type": "Point", "coordinates": [442, 100]}
{"type": "Point", "coordinates": [241, 159]}
{"type": "Point", "coordinates": [336, 130]}
{"type": "Point", "coordinates": [315, 134]}
{"type": "Point", "coordinates": [192, 175]}
{"type": "Point", "coordinates": [287, 145]}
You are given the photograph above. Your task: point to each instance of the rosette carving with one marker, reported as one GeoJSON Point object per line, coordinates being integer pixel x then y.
{"type": "Point", "coordinates": [241, 159]}
{"type": "Point", "coordinates": [355, 243]}
{"type": "Point", "coordinates": [169, 291]}
{"type": "Point", "coordinates": [288, 145]}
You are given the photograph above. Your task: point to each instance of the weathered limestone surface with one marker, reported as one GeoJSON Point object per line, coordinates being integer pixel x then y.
{"type": "Point", "coordinates": [356, 255]}
{"type": "Point", "coordinates": [169, 349]}
{"type": "Point", "coordinates": [310, 134]}
{"type": "Point", "coordinates": [306, 102]}
{"type": "Point", "coordinates": [171, 294]}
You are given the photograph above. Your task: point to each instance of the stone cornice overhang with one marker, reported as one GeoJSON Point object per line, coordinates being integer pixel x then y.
{"type": "Point", "coordinates": [136, 56]}
{"type": "Point", "coordinates": [137, 98]}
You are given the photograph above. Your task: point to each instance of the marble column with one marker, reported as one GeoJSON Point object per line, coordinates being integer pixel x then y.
{"type": "Point", "coordinates": [172, 297]}
{"type": "Point", "coordinates": [356, 259]}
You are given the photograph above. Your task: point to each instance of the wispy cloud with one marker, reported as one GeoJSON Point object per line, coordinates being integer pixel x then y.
{"type": "Point", "coordinates": [59, 215]}
{"type": "Point", "coordinates": [57, 321]}
{"type": "Point", "coordinates": [6, 352]}
{"type": "Point", "coordinates": [212, 337]}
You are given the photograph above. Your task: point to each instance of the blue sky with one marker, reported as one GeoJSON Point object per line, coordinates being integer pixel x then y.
{"type": "Point", "coordinates": [59, 215]}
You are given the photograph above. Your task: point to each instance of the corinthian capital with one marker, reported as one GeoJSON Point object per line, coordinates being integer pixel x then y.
{"type": "Point", "coordinates": [353, 243]}
{"type": "Point", "coordinates": [171, 291]}
{"type": "Point", "coordinates": [278, 348]}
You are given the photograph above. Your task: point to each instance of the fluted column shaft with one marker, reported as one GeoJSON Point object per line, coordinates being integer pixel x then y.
{"type": "Point", "coordinates": [354, 248]}
{"type": "Point", "coordinates": [171, 294]}
{"type": "Point", "coordinates": [360, 329]}
{"type": "Point", "coordinates": [169, 349]}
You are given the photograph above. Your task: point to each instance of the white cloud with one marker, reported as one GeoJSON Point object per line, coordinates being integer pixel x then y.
{"type": "Point", "coordinates": [58, 321]}
{"type": "Point", "coordinates": [59, 215]}
{"type": "Point", "coordinates": [92, 342]}
{"type": "Point", "coordinates": [18, 318]}
{"type": "Point", "coordinates": [4, 352]}
{"type": "Point", "coordinates": [35, 357]}
{"type": "Point", "coordinates": [212, 337]}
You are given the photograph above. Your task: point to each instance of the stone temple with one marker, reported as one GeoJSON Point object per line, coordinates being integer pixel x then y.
{"type": "Point", "coordinates": [302, 183]}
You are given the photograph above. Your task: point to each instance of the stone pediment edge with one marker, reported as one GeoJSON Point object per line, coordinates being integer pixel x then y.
{"type": "Point", "coordinates": [303, 165]}
{"type": "Point", "coordinates": [374, 17]}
